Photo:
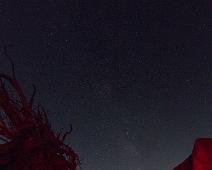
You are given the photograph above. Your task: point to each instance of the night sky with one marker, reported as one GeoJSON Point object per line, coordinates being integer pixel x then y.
{"type": "Point", "coordinates": [133, 77]}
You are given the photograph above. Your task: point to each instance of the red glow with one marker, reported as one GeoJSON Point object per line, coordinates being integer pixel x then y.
{"type": "Point", "coordinates": [201, 157]}
{"type": "Point", "coordinates": [27, 140]}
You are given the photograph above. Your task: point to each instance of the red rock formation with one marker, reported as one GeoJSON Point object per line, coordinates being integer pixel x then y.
{"type": "Point", "coordinates": [201, 157]}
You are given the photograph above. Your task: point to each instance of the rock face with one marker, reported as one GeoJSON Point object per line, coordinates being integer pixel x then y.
{"type": "Point", "coordinates": [185, 165]}
{"type": "Point", "coordinates": [27, 141]}
{"type": "Point", "coordinates": [201, 157]}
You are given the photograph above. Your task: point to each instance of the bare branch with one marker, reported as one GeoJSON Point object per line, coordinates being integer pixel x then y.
{"type": "Point", "coordinates": [33, 95]}
{"type": "Point", "coordinates": [11, 61]}
{"type": "Point", "coordinates": [67, 133]}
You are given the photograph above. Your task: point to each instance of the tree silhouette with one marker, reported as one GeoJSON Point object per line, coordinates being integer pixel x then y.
{"type": "Point", "coordinates": [27, 140]}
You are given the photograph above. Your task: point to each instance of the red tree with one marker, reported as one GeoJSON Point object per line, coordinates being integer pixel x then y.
{"type": "Point", "coordinates": [27, 140]}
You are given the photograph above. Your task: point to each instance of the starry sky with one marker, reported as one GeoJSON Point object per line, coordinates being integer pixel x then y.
{"type": "Point", "coordinates": [133, 77]}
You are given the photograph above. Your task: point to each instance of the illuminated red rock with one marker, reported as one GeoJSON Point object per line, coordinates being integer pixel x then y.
{"type": "Point", "coordinates": [201, 157]}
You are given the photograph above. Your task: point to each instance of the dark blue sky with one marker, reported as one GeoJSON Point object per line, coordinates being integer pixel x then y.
{"type": "Point", "coordinates": [133, 77]}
